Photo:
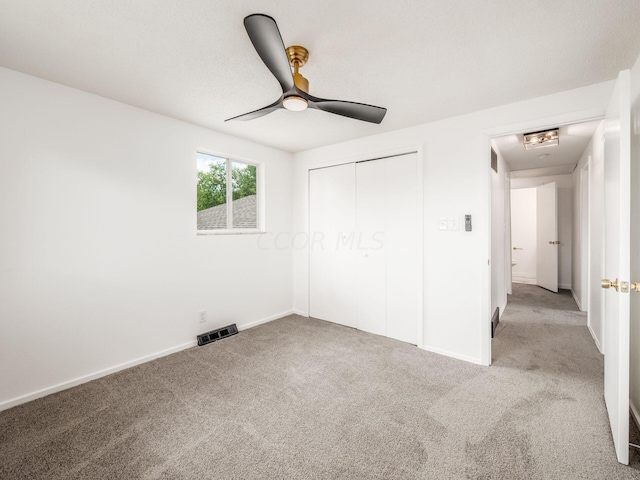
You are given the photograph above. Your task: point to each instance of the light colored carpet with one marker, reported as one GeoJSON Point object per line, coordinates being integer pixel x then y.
{"type": "Point", "coordinates": [306, 399]}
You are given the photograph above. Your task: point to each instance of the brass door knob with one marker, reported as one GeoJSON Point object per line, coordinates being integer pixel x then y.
{"type": "Point", "coordinates": [635, 287]}
{"type": "Point", "coordinates": [604, 283]}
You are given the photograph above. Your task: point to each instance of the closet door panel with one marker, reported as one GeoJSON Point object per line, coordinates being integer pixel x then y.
{"type": "Point", "coordinates": [402, 244]}
{"type": "Point", "coordinates": [320, 259]}
{"type": "Point", "coordinates": [332, 263]}
{"type": "Point", "coordinates": [371, 261]}
{"type": "Point", "coordinates": [341, 243]}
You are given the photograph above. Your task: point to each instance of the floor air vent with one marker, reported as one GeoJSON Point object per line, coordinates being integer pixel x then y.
{"type": "Point", "coordinates": [218, 334]}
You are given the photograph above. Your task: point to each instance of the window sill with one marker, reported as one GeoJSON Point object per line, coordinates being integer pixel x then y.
{"type": "Point", "coordinates": [236, 231]}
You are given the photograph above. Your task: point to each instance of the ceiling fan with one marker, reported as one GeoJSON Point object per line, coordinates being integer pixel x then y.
{"type": "Point", "coordinates": [265, 36]}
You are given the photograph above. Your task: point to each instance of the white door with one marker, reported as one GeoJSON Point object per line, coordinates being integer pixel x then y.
{"type": "Point", "coordinates": [371, 255]}
{"type": "Point", "coordinates": [332, 250]}
{"type": "Point", "coordinates": [389, 228]}
{"type": "Point", "coordinates": [365, 227]}
{"type": "Point", "coordinates": [547, 237]}
{"type": "Point", "coordinates": [402, 244]}
{"type": "Point", "coordinates": [617, 262]}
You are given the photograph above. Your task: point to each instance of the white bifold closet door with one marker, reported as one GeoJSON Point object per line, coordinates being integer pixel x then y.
{"type": "Point", "coordinates": [332, 224]}
{"type": "Point", "coordinates": [365, 231]}
{"type": "Point", "coordinates": [388, 223]}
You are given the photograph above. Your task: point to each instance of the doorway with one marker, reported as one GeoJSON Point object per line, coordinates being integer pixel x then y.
{"type": "Point", "coordinates": [546, 228]}
{"type": "Point", "coordinates": [541, 229]}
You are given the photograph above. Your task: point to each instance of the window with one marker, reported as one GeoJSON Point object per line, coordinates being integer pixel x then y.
{"type": "Point", "coordinates": [221, 208]}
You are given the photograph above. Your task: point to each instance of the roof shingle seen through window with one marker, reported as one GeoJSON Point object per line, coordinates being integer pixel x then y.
{"type": "Point", "coordinates": [244, 215]}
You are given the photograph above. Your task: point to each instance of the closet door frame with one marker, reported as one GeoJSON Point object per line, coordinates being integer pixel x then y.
{"type": "Point", "coordinates": [420, 259]}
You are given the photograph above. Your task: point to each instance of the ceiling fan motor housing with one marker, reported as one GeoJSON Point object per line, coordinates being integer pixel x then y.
{"type": "Point", "coordinates": [301, 83]}
{"type": "Point", "coordinates": [298, 57]}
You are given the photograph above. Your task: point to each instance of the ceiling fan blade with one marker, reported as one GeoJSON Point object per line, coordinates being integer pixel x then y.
{"type": "Point", "coordinates": [261, 112]}
{"type": "Point", "coordinates": [358, 111]}
{"type": "Point", "coordinates": [265, 36]}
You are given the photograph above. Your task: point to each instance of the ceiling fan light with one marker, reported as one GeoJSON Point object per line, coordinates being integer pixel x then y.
{"type": "Point", "coordinates": [294, 103]}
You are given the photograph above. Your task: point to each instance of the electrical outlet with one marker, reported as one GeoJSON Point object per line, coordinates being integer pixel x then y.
{"type": "Point", "coordinates": [202, 316]}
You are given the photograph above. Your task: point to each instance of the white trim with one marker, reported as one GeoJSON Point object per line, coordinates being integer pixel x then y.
{"type": "Point", "coordinates": [421, 257]}
{"type": "Point", "coordinates": [123, 366]}
{"type": "Point", "coordinates": [300, 312]}
{"type": "Point", "coordinates": [502, 308]}
{"type": "Point", "coordinates": [583, 241]}
{"type": "Point", "coordinates": [364, 157]}
{"type": "Point", "coordinates": [229, 195]}
{"type": "Point", "coordinates": [635, 414]}
{"type": "Point", "coordinates": [524, 278]}
{"type": "Point", "coordinates": [546, 123]}
{"type": "Point", "coordinates": [525, 275]}
{"type": "Point", "coordinates": [260, 197]}
{"type": "Point", "coordinates": [457, 356]}
{"type": "Point", "coordinates": [86, 378]}
{"type": "Point", "coordinates": [483, 331]}
{"type": "Point", "coordinates": [511, 128]}
{"type": "Point", "coordinates": [575, 297]}
{"type": "Point", "coordinates": [260, 207]}
{"type": "Point", "coordinates": [595, 339]}
{"type": "Point", "coordinates": [564, 286]}
{"type": "Point", "coordinates": [508, 261]}
{"type": "Point", "coordinates": [226, 156]}
{"type": "Point", "coordinates": [249, 325]}
{"type": "Point", "coordinates": [235, 231]}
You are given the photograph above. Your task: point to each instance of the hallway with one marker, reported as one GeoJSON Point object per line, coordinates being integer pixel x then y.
{"type": "Point", "coordinates": [545, 336]}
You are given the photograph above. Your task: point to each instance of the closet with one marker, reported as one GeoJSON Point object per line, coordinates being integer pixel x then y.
{"type": "Point", "coordinates": [365, 242]}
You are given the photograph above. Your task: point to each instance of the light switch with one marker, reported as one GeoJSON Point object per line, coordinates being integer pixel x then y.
{"type": "Point", "coordinates": [442, 224]}
{"type": "Point", "coordinates": [454, 224]}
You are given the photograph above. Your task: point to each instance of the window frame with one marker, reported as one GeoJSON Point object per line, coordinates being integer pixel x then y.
{"type": "Point", "coordinates": [260, 214]}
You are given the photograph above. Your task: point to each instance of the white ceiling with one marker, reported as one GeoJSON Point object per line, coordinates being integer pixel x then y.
{"type": "Point", "coordinates": [422, 59]}
{"type": "Point", "coordinates": [556, 160]}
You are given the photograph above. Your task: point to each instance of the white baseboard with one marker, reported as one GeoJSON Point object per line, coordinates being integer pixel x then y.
{"type": "Point", "coordinates": [249, 325]}
{"type": "Point", "coordinates": [635, 414]}
{"type": "Point", "coordinates": [93, 376]}
{"type": "Point", "coordinates": [457, 356]}
{"type": "Point", "coordinates": [123, 366]}
{"type": "Point", "coordinates": [564, 286]}
{"type": "Point", "coordinates": [300, 312]}
{"type": "Point", "coordinates": [527, 278]}
{"type": "Point", "coordinates": [595, 339]}
{"type": "Point", "coordinates": [575, 297]}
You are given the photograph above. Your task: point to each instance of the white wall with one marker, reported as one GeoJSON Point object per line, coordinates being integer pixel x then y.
{"type": "Point", "coordinates": [594, 154]}
{"type": "Point", "coordinates": [500, 225]}
{"type": "Point", "coordinates": [523, 232]}
{"type": "Point", "coordinates": [564, 184]}
{"type": "Point", "coordinates": [457, 182]}
{"type": "Point", "coordinates": [100, 264]}
{"type": "Point", "coordinates": [635, 240]}
{"type": "Point", "coordinates": [580, 236]}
